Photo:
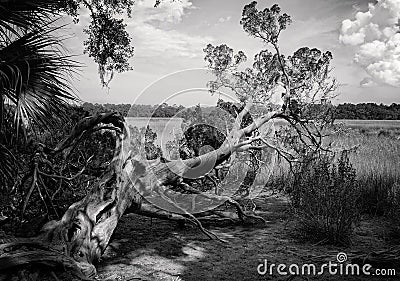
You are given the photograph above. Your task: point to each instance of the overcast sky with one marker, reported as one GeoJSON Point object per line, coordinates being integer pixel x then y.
{"type": "Point", "coordinates": [361, 34]}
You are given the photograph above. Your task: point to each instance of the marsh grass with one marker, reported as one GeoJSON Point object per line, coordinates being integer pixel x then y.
{"type": "Point", "coordinates": [376, 163]}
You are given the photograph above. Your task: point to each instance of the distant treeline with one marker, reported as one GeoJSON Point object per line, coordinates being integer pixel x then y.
{"type": "Point", "coordinates": [135, 110]}
{"type": "Point", "coordinates": [361, 111]}
{"type": "Point", "coordinates": [368, 111]}
{"type": "Point", "coordinates": [140, 110]}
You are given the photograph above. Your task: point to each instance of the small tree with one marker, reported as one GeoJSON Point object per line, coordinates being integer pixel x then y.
{"type": "Point", "coordinates": [303, 77]}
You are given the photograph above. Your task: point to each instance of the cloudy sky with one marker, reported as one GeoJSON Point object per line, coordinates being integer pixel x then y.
{"type": "Point", "coordinates": [361, 34]}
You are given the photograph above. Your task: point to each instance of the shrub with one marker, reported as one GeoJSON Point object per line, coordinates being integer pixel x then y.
{"type": "Point", "coordinates": [325, 198]}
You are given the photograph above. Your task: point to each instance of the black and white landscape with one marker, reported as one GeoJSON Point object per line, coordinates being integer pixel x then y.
{"type": "Point", "coordinates": [187, 140]}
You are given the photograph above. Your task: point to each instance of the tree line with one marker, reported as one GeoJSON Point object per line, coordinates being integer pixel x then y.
{"type": "Point", "coordinates": [360, 111]}
{"type": "Point", "coordinates": [368, 111]}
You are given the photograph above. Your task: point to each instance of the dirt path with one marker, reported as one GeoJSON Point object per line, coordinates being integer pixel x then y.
{"type": "Point", "coordinates": [144, 249]}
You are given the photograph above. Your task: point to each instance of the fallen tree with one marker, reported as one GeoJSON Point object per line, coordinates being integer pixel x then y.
{"type": "Point", "coordinates": [78, 240]}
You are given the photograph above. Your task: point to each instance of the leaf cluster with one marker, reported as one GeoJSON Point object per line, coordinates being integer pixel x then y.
{"type": "Point", "coordinates": [303, 75]}
{"type": "Point", "coordinates": [266, 24]}
{"type": "Point", "coordinates": [108, 43]}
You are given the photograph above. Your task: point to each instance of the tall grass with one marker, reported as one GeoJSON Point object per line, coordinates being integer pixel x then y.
{"type": "Point", "coordinates": [377, 164]}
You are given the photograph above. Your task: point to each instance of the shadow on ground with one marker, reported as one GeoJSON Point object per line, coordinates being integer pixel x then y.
{"type": "Point", "coordinates": [145, 249]}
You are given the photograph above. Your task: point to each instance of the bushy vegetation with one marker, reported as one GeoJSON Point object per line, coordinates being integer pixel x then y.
{"type": "Point", "coordinates": [325, 198]}
{"type": "Point", "coordinates": [43, 188]}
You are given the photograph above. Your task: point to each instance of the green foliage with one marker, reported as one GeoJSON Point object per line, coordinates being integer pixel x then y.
{"type": "Point", "coordinates": [325, 198]}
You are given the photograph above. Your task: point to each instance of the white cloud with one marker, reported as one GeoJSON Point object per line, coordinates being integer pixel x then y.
{"type": "Point", "coordinates": [368, 82]}
{"type": "Point", "coordinates": [376, 38]}
{"type": "Point", "coordinates": [168, 11]}
{"type": "Point", "coordinates": [155, 41]}
{"type": "Point", "coordinates": [154, 30]}
{"type": "Point", "coordinates": [224, 19]}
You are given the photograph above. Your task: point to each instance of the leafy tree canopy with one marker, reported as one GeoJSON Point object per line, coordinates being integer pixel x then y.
{"type": "Point", "coordinates": [303, 75]}
{"type": "Point", "coordinates": [109, 44]}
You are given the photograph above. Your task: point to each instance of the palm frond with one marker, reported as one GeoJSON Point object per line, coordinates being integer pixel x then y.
{"type": "Point", "coordinates": [34, 76]}
{"type": "Point", "coordinates": [27, 15]}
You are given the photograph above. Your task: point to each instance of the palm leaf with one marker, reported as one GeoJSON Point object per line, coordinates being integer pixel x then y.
{"type": "Point", "coordinates": [27, 15]}
{"type": "Point", "coordinates": [34, 76]}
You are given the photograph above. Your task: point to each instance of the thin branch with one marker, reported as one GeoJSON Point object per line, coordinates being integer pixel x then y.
{"type": "Point", "coordinates": [63, 177]}
{"type": "Point", "coordinates": [33, 186]}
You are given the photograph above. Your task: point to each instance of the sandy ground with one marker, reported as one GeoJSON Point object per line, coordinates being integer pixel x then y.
{"type": "Point", "coordinates": [145, 249]}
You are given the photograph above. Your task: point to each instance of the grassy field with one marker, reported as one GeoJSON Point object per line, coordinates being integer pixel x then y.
{"type": "Point", "coordinates": [377, 162]}
{"type": "Point", "coordinates": [370, 124]}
